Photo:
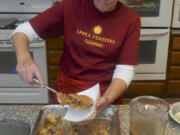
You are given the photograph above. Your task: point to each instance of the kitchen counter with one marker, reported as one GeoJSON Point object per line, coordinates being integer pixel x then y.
{"type": "Point", "coordinates": [29, 114]}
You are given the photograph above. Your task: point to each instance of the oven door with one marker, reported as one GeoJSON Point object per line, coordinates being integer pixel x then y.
{"type": "Point", "coordinates": [153, 53]}
{"type": "Point", "coordinates": [9, 78]}
{"type": "Point", "coordinates": [153, 13]}
{"type": "Point", "coordinates": [22, 6]}
{"type": "Point", "coordinates": [176, 14]}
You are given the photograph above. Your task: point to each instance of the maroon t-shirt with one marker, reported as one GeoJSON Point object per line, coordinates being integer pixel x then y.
{"type": "Point", "coordinates": [94, 42]}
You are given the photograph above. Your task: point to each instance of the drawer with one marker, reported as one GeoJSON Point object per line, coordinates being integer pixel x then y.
{"type": "Point", "coordinates": [145, 88]}
{"type": "Point", "coordinates": [174, 72]}
{"type": "Point", "coordinates": [174, 87]}
{"type": "Point", "coordinates": [176, 43]}
{"type": "Point", "coordinates": [54, 57]}
{"type": "Point", "coordinates": [175, 58]}
{"type": "Point", "coordinates": [53, 71]}
{"type": "Point", "coordinates": [55, 43]}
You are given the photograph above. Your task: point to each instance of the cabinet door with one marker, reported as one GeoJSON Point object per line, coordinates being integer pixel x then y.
{"type": "Point", "coordinates": [174, 72]}
{"type": "Point", "coordinates": [175, 58]}
{"type": "Point", "coordinates": [54, 52]}
{"type": "Point", "coordinates": [174, 87]}
{"type": "Point", "coordinates": [54, 57]}
{"type": "Point", "coordinates": [53, 71]}
{"type": "Point", "coordinates": [52, 83]}
{"type": "Point", "coordinates": [176, 43]}
{"type": "Point", "coordinates": [55, 43]}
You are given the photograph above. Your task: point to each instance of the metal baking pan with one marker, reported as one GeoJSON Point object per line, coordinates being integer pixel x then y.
{"type": "Point", "coordinates": [106, 123]}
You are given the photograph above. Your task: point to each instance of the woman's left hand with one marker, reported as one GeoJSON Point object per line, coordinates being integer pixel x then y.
{"type": "Point", "coordinates": [101, 103]}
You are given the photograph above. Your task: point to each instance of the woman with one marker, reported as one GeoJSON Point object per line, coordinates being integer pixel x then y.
{"type": "Point", "coordinates": [101, 39]}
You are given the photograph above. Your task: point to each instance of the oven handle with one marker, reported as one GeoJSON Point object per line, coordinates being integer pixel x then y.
{"type": "Point", "coordinates": [34, 44]}
{"type": "Point", "coordinates": [37, 44]}
{"type": "Point", "coordinates": [154, 32]}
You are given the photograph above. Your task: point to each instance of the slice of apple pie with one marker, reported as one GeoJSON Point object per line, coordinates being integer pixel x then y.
{"type": "Point", "coordinates": [81, 102]}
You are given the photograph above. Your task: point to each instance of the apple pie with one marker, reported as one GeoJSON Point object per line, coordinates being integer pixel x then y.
{"type": "Point", "coordinates": [81, 102]}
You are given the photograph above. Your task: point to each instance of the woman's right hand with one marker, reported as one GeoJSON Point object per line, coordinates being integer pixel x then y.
{"type": "Point", "coordinates": [27, 68]}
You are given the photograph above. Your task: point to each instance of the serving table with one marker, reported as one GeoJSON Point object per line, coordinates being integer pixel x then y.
{"type": "Point", "coordinates": [29, 113]}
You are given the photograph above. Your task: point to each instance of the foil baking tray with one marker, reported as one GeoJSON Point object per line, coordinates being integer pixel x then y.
{"type": "Point", "coordinates": [50, 122]}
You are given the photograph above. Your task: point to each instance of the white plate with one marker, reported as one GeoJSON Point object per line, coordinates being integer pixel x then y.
{"type": "Point", "coordinates": [174, 112]}
{"type": "Point", "coordinates": [75, 115]}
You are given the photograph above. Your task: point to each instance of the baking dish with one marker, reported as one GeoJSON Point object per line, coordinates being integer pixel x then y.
{"type": "Point", "coordinates": [106, 123]}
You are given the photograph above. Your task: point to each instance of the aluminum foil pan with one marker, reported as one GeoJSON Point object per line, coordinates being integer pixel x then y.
{"type": "Point", "coordinates": [50, 121]}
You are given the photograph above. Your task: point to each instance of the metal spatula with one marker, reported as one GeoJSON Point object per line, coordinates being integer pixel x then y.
{"type": "Point", "coordinates": [45, 86]}
{"type": "Point", "coordinates": [76, 101]}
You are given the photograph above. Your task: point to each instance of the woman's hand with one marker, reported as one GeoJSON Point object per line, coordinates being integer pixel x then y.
{"type": "Point", "coordinates": [27, 68]}
{"type": "Point", "coordinates": [101, 103]}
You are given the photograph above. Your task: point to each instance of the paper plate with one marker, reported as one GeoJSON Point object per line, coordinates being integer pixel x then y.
{"type": "Point", "coordinates": [75, 115]}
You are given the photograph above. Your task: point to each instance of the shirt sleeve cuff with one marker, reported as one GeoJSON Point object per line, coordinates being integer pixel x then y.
{"type": "Point", "coordinates": [27, 29]}
{"type": "Point", "coordinates": [124, 72]}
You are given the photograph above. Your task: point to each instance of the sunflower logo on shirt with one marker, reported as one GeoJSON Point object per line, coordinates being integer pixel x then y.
{"type": "Point", "coordinates": [97, 29]}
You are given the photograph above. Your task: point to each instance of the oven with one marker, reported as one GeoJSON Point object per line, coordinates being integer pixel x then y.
{"type": "Point", "coordinates": [154, 38]}
{"type": "Point", "coordinates": [176, 14]}
{"type": "Point", "coordinates": [12, 88]}
{"type": "Point", "coordinates": [153, 53]}
{"type": "Point", "coordinates": [8, 76]}
{"type": "Point", "coordinates": [153, 12]}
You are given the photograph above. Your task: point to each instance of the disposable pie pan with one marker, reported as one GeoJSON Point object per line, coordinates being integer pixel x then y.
{"type": "Point", "coordinates": [50, 121]}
